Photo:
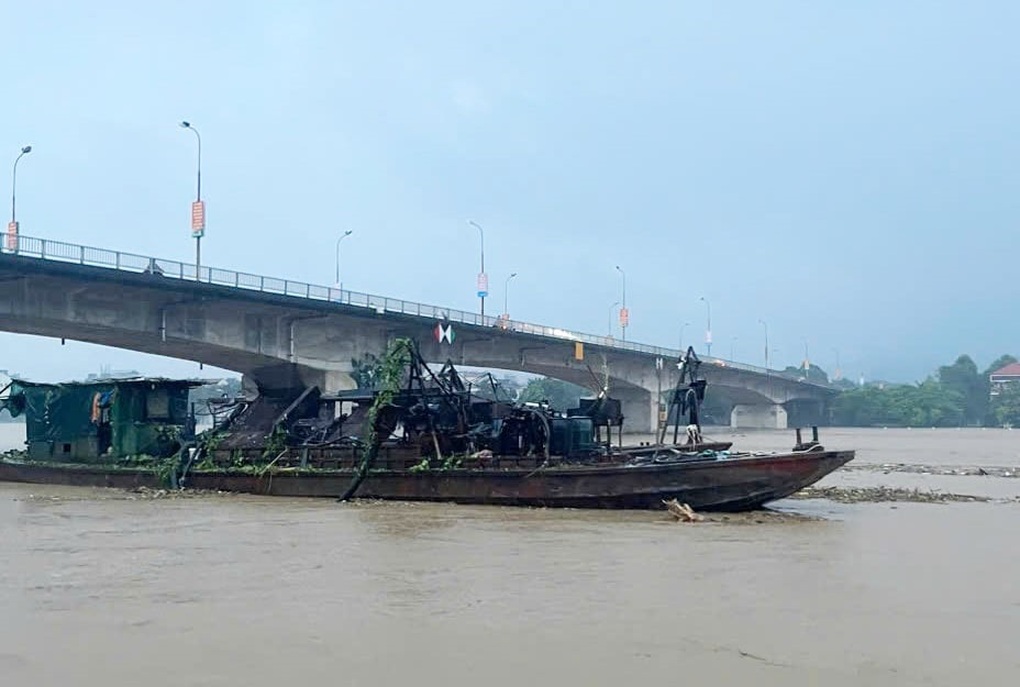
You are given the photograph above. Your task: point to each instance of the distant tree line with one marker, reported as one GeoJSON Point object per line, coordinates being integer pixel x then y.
{"type": "Point", "coordinates": [957, 395]}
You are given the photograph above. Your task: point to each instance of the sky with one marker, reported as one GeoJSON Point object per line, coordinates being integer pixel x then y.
{"type": "Point", "coordinates": [845, 172]}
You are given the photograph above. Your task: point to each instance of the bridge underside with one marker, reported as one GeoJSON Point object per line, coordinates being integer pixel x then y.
{"type": "Point", "coordinates": [282, 343]}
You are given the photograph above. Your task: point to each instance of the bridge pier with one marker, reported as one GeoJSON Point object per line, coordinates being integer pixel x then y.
{"type": "Point", "coordinates": [639, 409]}
{"type": "Point", "coordinates": [807, 413]}
{"type": "Point", "coordinates": [289, 377]}
{"type": "Point", "coordinates": [763, 416]}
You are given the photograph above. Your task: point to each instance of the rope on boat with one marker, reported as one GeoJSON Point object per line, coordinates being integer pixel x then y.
{"type": "Point", "coordinates": [180, 482]}
{"type": "Point", "coordinates": [271, 463]}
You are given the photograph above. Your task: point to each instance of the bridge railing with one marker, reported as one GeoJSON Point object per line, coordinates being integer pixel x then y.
{"type": "Point", "coordinates": [59, 251]}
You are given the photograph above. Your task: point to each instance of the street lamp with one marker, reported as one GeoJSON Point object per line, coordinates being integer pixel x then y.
{"type": "Point", "coordinates": [684, 326]}
{"type": "Point", "coordinates": [506, 289]}
{"type": "Point", "coordinates": [838, 375]}
{"type": "Point", "coordinates": [766, 325]}
{"type": "Point", "coordinates": [198, 207]}
{"type": "Point", "coordinates": [337, 281]}
{"type": "Point", "coordinates": [807, 358]}
{"type": "Point", "coordinates": [12, 227]}
{"type": "Point", "coordinates": [612, 309]}
{"type": "Point", "coordinates": [483, 279]}
{"type": "Point", "coordinates": [708, 327]}
{"type": "Point", "coordinates": [624, 314]}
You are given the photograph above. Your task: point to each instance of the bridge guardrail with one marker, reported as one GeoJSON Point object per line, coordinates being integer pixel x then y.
{"type": "Point", "coordinates": [60, 251]}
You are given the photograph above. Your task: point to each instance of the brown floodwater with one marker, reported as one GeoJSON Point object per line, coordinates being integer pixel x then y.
{"type": "Point", "coordinates": [108, 588]}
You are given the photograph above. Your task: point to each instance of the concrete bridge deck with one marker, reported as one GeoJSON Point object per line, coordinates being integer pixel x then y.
{"type": "Point", "coordinates": [280, 332]}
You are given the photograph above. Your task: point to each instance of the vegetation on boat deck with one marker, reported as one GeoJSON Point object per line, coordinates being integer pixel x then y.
{"type": "Point", "coordinates": [389, 380]}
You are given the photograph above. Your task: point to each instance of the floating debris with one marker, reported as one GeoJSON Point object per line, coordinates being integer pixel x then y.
{"type": "Point", "coordinates": [682, 512]}
{"type": "Point", "coordinates": [942, 470]}
{"type": "Point", "coordinates": [884, 494]}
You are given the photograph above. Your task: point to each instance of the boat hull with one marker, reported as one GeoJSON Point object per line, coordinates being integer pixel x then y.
{"type": "Point", "coordinates": [731, 484]}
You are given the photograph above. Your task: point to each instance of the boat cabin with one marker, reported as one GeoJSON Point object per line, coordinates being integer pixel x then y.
{"type": "Point", "coordinates": [100, 420]}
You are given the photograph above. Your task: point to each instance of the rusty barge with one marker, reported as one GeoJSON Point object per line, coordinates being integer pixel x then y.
{"type": "Point", "coordinates": [429, 436]}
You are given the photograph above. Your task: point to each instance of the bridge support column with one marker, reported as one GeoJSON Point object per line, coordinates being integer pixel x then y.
{"type": "Point", "coordinates": [639, 410]}
{"type": "Point", "coordinates": [758, 416]}
{"type": "Point", "coordinates": [338, 380]}
{"type": "Point", "coordinates": [807, 412]}
{"type": "Point", "coordinates": [288, 378]}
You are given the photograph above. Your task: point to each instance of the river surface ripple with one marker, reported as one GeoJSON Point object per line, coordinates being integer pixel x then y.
{"type": "Point", "coordinates": [103, 587]}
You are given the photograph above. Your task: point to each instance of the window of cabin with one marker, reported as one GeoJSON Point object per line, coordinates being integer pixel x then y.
{"type": "Point", "coordinates": [157, 404]}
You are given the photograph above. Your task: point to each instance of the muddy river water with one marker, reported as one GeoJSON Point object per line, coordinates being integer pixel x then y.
{"type": "Point", "coordinates": [102, 587]}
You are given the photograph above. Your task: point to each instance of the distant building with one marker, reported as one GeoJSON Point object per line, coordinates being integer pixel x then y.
{"type": "Point", "coordinates": [1003, 376]}
{"type": "Point", "coordinates": [106, 373]}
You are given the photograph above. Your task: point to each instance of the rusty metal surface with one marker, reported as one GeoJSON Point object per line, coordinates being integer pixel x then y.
{"type": "Point", "coordinates": [731, 484]}
{"type": "Point", "coordinates": [78, 475]}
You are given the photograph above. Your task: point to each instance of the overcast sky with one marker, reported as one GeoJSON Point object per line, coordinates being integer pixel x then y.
{"type": "Point", "coordinates": [846, 171]}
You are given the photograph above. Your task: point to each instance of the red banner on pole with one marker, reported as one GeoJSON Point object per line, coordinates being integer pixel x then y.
{"type": "Point", "coordinates": [624, 317]}
{"type": "Point", "coordinates": [198, 219]}
{"type": "Point", "coordinates": [12, 236]}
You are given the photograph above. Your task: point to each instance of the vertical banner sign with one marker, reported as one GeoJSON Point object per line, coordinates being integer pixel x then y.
{"type": "Point", "coordinates": [12, 236]}
{"type": "Point", "coordinates": [578, 350]}
{"type": "Point", "coordinates": [708, 337]}
{"type": "Point", "coordinates": [624, 317]}
{"type": "Point", "coordinates": [483, 285]}
{"type": "Point", "coordinates": [198, 219]}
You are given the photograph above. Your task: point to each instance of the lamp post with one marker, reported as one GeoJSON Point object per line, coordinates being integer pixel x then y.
{"type": "Point", "coordinates": [807, 358]}
{"type": "Point", "coordinates": [732, 341]}
{"type": "Point", "coordinates": [483, 279]}
{"type": "Point", "coordinates": [14, 182]}
{"type": "Point", "coordinates": [624, 313]}
{"type": "Point", "coordinates": [609, 322]}
{"type": "Point", "coordinates": [12, 228]}
{"type": "Point", "coordinates": [766, 326]}
{"type": "Point", "coordinates": [342, 237]}
{"type": "Point", "coordinates": [684, 326]}
{"type": "Point", "coordinates": [198, 207]}
{"type": "Point", "coordinates": [506, 289]}
{"type": "Point", "coordinates": [838, 375]}
{"type": "Point", "coordinates": [708, 327]}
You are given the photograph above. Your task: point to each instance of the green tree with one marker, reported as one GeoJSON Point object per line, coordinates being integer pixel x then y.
{"type": "Point", "coordinates": [999, 363]}
{"type": "Point", "coordinates": [991, 416]}
{"type": "Point", "coordinates": [1006, 405]}
{"type": "Point", "coordinates": [366, 371]}
{"type": "Point", "coordinates": [963, 378]}
{"type": "Point", "coordinates": [812, 374]}
{"type": "Point", "coordinates": [958, 395]}
{"type": "Point", "coordinates": [928, 404]}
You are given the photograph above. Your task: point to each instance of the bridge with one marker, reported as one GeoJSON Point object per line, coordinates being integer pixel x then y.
{"type": "Point", "coordinates": [283, 335]}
